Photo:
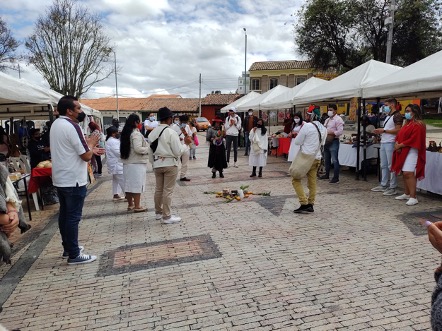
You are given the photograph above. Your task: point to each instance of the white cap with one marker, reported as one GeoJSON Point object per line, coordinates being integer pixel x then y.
{"type": "Point", "coordinates": [232, 109]}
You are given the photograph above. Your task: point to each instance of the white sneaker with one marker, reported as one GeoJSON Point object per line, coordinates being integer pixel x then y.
{"type": "Point", "coordinates": [172, 219]}
{"type": "Point", "coordinates": [403, 197]}
{"type": "Point", "coordinates": [412, 202]}
{"type": "Point", "coordinates": [235, 165]}
{"type": "Point", "coordinates": [158, 216]}
{"type": "Point", "coordinates": [379, 188]}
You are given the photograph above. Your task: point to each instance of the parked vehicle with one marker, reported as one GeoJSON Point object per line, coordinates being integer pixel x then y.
{"type": "Point", "coordinates": [201, 123]}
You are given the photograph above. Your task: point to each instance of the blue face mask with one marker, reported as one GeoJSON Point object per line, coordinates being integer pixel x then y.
{"type": "Point", "coordinates": [152, 118]}
{"type": "Point", "coordinates": [386, 109]}
{"type": "Point", "coordinates": [408, 116]}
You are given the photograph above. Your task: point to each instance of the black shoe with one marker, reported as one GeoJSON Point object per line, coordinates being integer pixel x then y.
{"type": "Point", "coordinates": [324, 177]}
{"type": "Point", "coordinates": [302, 209]}
{"type": "Point", "coordinates": [334, 181]}
{"type": "Point", "coordinates": [184, 179]}
{"type": "Point", "coordinates": [221, 175]}
{"type": "Point", "coordinates": [260, 174]}
{"type": "Point", "coordinates": [309, 208]}
{"type": "Point", "coordinates": [253, 174]}
{"type": "Point", "coordinates": [247, 154]}
{"type": "Point", "coordinates": [214, 175]}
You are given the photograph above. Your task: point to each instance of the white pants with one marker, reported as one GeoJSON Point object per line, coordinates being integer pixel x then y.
{"type": "Point", "coordinates": [117, 184]}
{"type": "Point", "coordinates": [184, 163]}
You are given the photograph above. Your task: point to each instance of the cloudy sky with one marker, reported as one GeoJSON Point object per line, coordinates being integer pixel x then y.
{"type": "Point", "coordinates": [163, 45]}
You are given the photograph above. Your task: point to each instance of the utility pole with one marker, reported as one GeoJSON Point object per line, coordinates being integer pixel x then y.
{"type": "Point", "coordinates": [116, 85]}
{"type": "Point", "coordinates": [245, 61]}
{"type": "Point", "coordinates": [390, 20]}
{"type": "Point", "coordinates": [199, 108]}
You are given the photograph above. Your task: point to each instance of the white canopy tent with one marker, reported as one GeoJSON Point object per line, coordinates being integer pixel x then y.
{"type": "Point", "coordinates": [285, 99]}
{"type": "Point", "coordinates": [249, 96]}
{"type": "Point", "coordinates": [422, 79]}
{"type": "Point", "coordinates": [348, 85]}
{"type": "Point", "coordinates": [20, 98]}
{"type": "Point", "coordinates": [255, 103]}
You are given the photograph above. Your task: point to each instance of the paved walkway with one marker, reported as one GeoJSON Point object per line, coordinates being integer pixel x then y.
{"type": "Point", "coordinates": [361, 261]}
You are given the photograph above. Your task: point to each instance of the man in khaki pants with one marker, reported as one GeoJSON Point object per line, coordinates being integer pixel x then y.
{"type": "Point", "coordinates": [310, 138]}
{"type": "Point", "coordinates": [165, 161]}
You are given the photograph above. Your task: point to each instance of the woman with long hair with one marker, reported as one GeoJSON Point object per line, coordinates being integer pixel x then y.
{"type": "Point", "coordinates": [217, 150]}
{"type": "Point", "coordinates": [409, 154]}
{"type": "Point", "coordinates": [296, 126]}
{"type": "Point", "coordinates": [259, 145]}
{"type": "Point", "coordinates": [134, 155]}
{"type": "Point", "coordinates": [99, 165]}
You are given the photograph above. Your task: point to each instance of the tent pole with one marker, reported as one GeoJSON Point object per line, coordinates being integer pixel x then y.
{"type": "Point", "coordinates": [358, 140]}
{"type": "Point", "coordinates": [364, 135]}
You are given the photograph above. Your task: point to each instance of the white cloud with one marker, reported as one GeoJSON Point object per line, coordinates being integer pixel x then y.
{"type": "Point", "coordinates": [164, 45]}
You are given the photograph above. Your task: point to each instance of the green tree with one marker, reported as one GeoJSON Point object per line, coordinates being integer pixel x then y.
{"type": "Point", "coordinates": [68, 47]}
{"type": "Point", "coordinates": [343, 34]}
{"type": "Point", "coordinates": [8, 45]}
{"type": "Point", "coordinates": [417, 33]}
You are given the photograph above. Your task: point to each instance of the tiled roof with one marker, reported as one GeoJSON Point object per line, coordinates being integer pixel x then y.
{"type": "Point", "coordinates": [219, 99]}
{"type": "Point", "coordinates": [281, 65]}
{"type": "Point", "coordinates": [153, 103]}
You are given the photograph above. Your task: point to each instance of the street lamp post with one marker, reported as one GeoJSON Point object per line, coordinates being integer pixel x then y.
{"type": "Point", "coordinates": [245, 61]}
{"type": "Point", "coordinates": [116, 85]}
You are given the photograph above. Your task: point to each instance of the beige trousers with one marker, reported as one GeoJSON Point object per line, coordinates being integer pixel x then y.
{"type": "Point", "coordinates": [165, 178]}
{"type": "Point", "coordinates": [184, 163]}
{"type": "Point", "coordinates": [311, 185]}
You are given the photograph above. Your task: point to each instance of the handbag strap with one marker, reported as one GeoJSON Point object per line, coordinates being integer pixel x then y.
{"type": "Point", "coordinates": [320, 137]}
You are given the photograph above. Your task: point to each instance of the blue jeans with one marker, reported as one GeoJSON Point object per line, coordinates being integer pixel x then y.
{"type": "Point", "coordinates": [247, 142]}
{"type": "Point", "coordinates": [386, 155]}
{"type": "Point", "coordinates": [331, 156]}
{"type": "Point", "coordinates": [71, 208]}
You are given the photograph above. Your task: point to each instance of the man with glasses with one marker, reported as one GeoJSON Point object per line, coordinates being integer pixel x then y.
{"type": "Point", "coordinates": [335, 127]}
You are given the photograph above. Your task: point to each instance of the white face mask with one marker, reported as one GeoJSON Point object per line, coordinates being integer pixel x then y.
{"type": "Point", "coordinates": [250, 113]}
{"type": "Point", "coordinates": [296, 120]}
{"type": "Point", "coordinates": [330, 113]}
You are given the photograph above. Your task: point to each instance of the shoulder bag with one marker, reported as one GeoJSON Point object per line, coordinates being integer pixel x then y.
{"type": "Point", "coordinates": [154, 144]}
{"type": "Point", "coordinates": [303, 162]}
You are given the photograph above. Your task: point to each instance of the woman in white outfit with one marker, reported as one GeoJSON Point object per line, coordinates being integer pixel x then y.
{"type": "Point", "coordinates": [297, 125]}
{"type": "Point", "coordinates": [114, 166]}
{"type": "Point", "coordinates": [259, 145]}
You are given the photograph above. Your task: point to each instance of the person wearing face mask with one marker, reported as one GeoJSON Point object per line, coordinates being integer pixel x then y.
{"type": "Point", "coordinates": [233, 127]}
{"type": "Point", "coordinates": [409, 156]}
{"type": "Point", "coordinates": [217, 150]}
{"type": "Point", "coordinates": [335, 127]}
{"type": "Point", "coordinates": [259, 145]}
{"type": "Point", "coordinates": [248, 125]}
{"type": "Point", "coordinates": [183, 132]}
{"type": "Point", "coordinates": [150, 123]}
{"type": "Point", "coordinates": [134, 151]}
{"type": "Point", "coordinates": [71, 152]}
{"type": "Point", "coordinates": [114, 165]}
{"type": "Point", "coordinates": [296, 126]}
{"type": "Point", "coordinates": [392, 125]}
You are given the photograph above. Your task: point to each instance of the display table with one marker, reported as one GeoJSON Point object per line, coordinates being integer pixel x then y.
{"type": "Point", "coordinates": [38, 176]}
{"type": "Point", "coordinates": [283, 146]}
{"type": "Point", "coordinates": [433, 174]}
{"type": "Point", "coordinates": [347, 155]}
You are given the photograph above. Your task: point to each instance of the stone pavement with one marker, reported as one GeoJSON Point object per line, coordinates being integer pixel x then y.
{"type": "Point", "coordinates": [359, 262]}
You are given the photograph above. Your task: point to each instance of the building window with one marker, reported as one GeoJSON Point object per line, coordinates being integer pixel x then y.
{"type": "Point", "coordinates": [300, 79]}
{"type": "Point", "coordinates": [256, 85]}
{"type": "Point", "coordinates": [273, 83]}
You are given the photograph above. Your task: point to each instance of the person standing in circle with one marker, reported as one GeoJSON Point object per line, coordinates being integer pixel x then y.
{"type": "Point", "coordinates": [259, 142]}
{"type": "Point", "coordinates": [233, 127]}
{"type": "Point", "coordinates": [134, 151]}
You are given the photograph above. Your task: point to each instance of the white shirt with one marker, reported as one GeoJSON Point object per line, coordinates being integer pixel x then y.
{"type": "Point", "coordinates": [150, 124]}
{"type": "Point", "coordinates": [67, 144]}
{"type": "Point", "coordinates": [389, 125]}
{"type": "Point", "coordinates": [233, 130]}
{"type": "Point", "coordinates": [308, 138]}
{"type": "Point", "coordinates": [114, 166]}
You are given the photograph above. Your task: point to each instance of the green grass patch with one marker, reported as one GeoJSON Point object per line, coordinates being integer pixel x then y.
{"type": "Point", "coordinates": [433, 122]}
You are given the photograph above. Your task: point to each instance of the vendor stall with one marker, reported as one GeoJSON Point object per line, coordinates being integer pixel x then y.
{"type": "Point", "coordinates": [433, 170]}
